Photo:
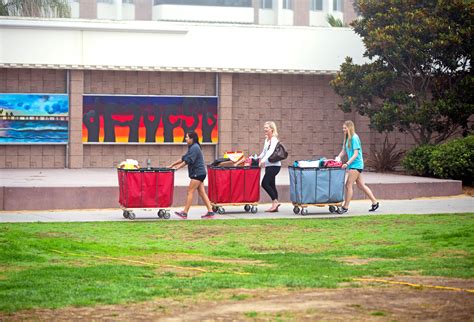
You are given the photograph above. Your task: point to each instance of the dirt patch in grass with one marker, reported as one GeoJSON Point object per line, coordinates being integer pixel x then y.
{"type": "Point", "coordinates": [358, 261]}
{"type": "Point", "coordinates": [371, 301]}
{"type": "Point", "coordinates": [177, 257]}
{"type": "Point", "coordinates": [468, 190]}
{"type": "Point", "coordinates": [451, 253]}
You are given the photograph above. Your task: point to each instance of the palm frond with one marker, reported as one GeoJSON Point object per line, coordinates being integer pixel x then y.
{"type": "Point", "coordinates": [333, 21]}
{"type": "Point", "coordinates": [35, 8]}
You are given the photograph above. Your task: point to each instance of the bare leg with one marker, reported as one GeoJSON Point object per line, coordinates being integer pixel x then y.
{"type": "Point", "coordinates": [351, 178]}
{"type": "Point", "coordinates": [362, 186]}
{"type": "Point", "coordinates": [204, 197]}
{"type": "Point", "coordinates": [193, 185]}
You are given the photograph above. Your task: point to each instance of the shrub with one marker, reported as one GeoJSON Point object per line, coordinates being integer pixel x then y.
{"type": "Point", "coordinates": [417, 160]}
{"type": "Point", "coordinates": [454, 160]}
{"type": "Point", "coordinates": [386, 159]}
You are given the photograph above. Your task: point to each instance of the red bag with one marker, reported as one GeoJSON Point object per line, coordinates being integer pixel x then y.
{"type": "Point", "coordinates": [146, 188]}
{"type": "Point", "coordinates": [332, 164]}
{"type": "Point", "coordinates": [233, 185]}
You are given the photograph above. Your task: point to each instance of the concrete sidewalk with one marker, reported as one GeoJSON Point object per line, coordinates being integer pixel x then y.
{"type": "Point", "coordinates": [46, 189]}
{"type": "Point", "coordinates": [424, 206]}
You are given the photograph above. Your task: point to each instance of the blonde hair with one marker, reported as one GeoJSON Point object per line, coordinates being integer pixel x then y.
{"type": "Point", "coordinates": [273, 126]}
{"type": "Point", "coordinates": [350, 133]}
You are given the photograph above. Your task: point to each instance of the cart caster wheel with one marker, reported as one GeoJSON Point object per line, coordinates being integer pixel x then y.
{"type": "Point", "coordinates": [131, 215]}
{"type": "Point", "coordinates": [125, 214]}
{"type": "Point", "coordinates": [166, 215]}
{"type": "Point", "coordinates": [221, 210]}
{"type": "Point", "coordinates": [304, 211]}
{"type": "Point", "coordinates": [296, 210]}
{"type": "Point", "coordinates": [161, 213]}
{"type": "Point", "coordinates": [254, 209]}
{"type": "Point", "coordinates": [247, 208]}
{"type": "Point", "coordinates": [332, 209]}
{"type": "Point", "coordinates": [214, 208]}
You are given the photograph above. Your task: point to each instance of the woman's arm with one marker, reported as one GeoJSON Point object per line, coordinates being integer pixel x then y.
{"type": "Point", "coordinates": [180, 165]}
{"type": "Point", "coordinates": [341, 154]}
{"type": "Point", "coordinates": [174, 164]}
{"type": "Point", "coordinates": [343, 151]}
{"type": "Point", "coordinates": [271, 149]}
{"type": "Point", "coordinates": [356, 153]}
{"type": "Point", "coordinates": [263, 151]}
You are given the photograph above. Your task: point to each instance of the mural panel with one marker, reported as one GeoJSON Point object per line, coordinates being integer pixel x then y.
{"type": "Point", "coordinates": [34, 118]}
{"type": "Point", "coordinates": [148, 119]}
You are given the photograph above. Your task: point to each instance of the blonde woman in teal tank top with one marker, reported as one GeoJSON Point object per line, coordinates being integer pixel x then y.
{"type": "Point", "coordinates": [355, 165]}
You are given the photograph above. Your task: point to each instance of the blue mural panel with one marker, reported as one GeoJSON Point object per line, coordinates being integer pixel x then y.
{"type": "Point", "coordinates": [34, 118]}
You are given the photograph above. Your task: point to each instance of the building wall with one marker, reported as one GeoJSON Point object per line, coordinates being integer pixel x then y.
{"type": "Point", "coordinates": [301, 13]}
{"type": "Point", "coordinates": [349, 12]}
{"type": "Point", "coordinates": [304, 107]}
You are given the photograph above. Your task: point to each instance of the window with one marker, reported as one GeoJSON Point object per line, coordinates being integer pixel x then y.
{"type": "Point", "coordinates": [288, 4]}
{"type": "Point", "coordinates": [215, 3]}
{"type": "Point", "coordinates": [128, 1]}
{"type": "Point", "coordinates": [337, 5]}
{"type": "Point", "coordinates": [266, 4]}
{"type": "Point", "coordinates": [316, 5]}
{"type": "Point", "coordinates": [106, 1]}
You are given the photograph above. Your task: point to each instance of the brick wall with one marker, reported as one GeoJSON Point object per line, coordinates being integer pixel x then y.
{"type": "Point", "coordinates": [304, 109]}
{"type": "Point", "coordinates": [349, 11]}
{"type": "Point", "coordinates": [301, 13]}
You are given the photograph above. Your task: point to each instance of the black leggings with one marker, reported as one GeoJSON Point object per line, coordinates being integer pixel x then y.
{"type": "Point", "coordinates": [268, 182]}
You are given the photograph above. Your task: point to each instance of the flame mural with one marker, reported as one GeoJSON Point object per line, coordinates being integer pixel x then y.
{"type": "Point", "coordinates": [148, 119]}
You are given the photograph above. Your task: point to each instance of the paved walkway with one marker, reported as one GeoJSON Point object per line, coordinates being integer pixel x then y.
{"type": "Point", "coordinates": [422, 206]}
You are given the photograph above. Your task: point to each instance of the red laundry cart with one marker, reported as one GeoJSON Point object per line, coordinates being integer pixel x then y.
{"type": "Point", "coordinates": [146, 188]}
{"type": "Point", "coordinates": [233, 186]}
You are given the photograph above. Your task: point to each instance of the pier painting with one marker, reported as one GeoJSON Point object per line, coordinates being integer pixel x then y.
{"type": "Point", "coordinates": [34, 118]}
{"type": "Point", "coordinates": [148, 119]}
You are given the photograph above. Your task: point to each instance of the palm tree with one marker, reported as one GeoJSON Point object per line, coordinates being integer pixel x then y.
{"type": "Point", "coordinates": [35, 8]}
{"type": "Point", "coordinates": [333, 21]}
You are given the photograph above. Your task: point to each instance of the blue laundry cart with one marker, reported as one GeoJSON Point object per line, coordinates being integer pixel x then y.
{"type": "Point", "coordinates": [319, 187]}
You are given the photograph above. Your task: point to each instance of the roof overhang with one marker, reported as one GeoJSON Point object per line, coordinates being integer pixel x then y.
{"type": "Point", "coordinates": [169, 46]}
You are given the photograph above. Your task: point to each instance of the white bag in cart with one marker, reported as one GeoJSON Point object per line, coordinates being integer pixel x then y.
{"type": "Point", "coordinates": [308, 164]}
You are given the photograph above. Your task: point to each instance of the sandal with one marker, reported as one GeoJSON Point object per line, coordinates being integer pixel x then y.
{"type": "Point", "coordinates": [374, 207]}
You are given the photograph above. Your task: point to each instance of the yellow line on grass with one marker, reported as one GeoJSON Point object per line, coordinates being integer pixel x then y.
{"type": "Point", "coordinates": [413, 284]}
{"type": "Point", "coordinates": [145, 263]}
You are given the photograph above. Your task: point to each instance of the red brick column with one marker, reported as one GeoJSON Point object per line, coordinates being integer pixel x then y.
{"type": "Point", "coordinates": [301, 12]}
{"type": "Point", "coordinates": [225, 114]}
{"type": "Point", "coordinates": [76, 89]}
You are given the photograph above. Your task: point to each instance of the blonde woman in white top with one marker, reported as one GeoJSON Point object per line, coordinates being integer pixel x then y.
{"type": "Point", "coordinates": [271, 168]}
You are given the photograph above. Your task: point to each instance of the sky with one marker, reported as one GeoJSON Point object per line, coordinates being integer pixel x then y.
{"type": "Point", "coordinates": [35, 104]}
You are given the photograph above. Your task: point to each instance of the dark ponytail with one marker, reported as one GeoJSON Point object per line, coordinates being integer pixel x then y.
{"type": "Point", "coordinates": [194, 137]}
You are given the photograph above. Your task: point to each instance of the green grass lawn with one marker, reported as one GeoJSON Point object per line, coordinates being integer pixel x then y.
{"type": "Point", "coordinates": [75, 264]}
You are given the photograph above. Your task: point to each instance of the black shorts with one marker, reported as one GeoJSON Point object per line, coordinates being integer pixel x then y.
{"type": "Point", "coordinates": [360, 170]}
{"type": "Point", "coordinates": [200, 178]}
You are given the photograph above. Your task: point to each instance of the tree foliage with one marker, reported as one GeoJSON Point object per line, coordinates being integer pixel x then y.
{"type": "Point", "coordinates": [419, 77]}
{"type": "Point", "coordinates": [35, 8]}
